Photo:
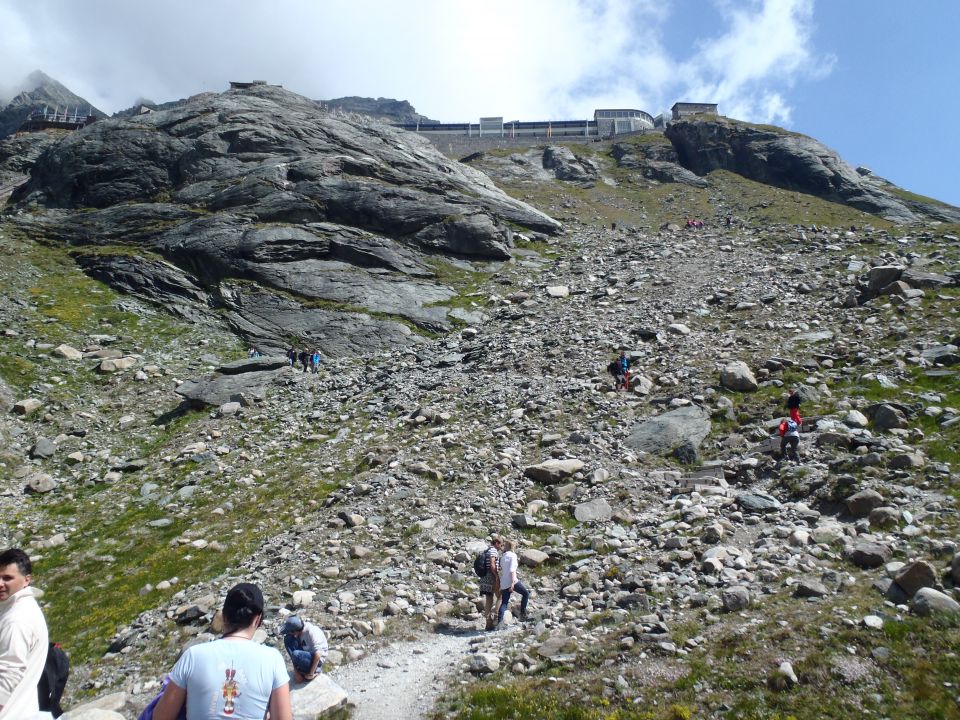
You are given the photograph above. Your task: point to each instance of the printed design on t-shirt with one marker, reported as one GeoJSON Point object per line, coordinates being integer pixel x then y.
{"type": "Point", "coordinates": [231, 691]}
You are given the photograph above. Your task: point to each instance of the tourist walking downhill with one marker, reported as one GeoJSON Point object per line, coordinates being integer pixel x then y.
{"type": "Point", "coordinates": [509, 583]}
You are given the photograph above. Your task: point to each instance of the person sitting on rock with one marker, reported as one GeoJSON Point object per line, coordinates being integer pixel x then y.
{"type": "Point", "coordinates": [307, 646]}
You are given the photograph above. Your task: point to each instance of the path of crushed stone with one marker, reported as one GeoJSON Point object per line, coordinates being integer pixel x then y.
{"type": "Point", "coordinates": [404, 680]}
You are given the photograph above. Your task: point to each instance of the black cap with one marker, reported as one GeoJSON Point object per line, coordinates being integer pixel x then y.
{"type": "Point", "coordinates": [245, 595]}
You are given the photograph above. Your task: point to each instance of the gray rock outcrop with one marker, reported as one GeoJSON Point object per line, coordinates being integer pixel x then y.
{"type": "Point", "coordinates": [794, 162]}
{"type": "Point", "coordinates": [257, 209]}
{"type": "Point", "coordinates": [685, 426]}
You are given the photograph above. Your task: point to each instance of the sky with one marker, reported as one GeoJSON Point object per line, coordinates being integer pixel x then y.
{"type": "Point", "coordinates": [874, 80]}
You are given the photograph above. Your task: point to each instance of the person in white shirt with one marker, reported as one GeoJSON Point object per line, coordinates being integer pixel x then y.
{"type": "Point", "coordinates": [307, 647]}
{"type": "Point", "coordinates": [233, 676]}
{"type": "Point", "coordinates": [23, 638]}
{"type": "Point", "coordinates": [509, 583]}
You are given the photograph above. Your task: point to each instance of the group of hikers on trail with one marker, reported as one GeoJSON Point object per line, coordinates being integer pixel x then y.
{"type": "Point", "coordinates": [310, 360]}
{"type": "Point", "coordinates": [497, 568]}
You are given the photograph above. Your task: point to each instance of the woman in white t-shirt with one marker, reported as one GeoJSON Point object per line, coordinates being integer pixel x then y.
{"type": "Point", "coordinates": [233, 677]}
{"type": "Point", "coordinates": [509, 583]}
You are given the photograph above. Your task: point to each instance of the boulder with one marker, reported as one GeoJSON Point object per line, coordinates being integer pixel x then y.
{"type": "Point", "coordinates": [67, 352]}
{"type": "Point", "coordinates": [915, 575]}
{"type": "Point", "coordinates": [597, 510]}
{"type": "Point", "coordinates": [27, 407]}
{"type": "Point", "coordinates": [531, 557]}
{"type": "Point", "coordinates": [316, 699]}
{"type": "Point", "coordinates": [40, 483]}
{"type": "Point", "coordinates": [942, 355]}
{"type": "Point", "coordinates": [757, 502]}
{"type": "Point", "coordinates": [552, 472]}
{"type": "Point", "coordinates": [738, 377]}
{"type": "Point", "coordinates": [869, 554]}
{"type": "Point", "coordinates": [860, 504]}
{"type": "Point", "coordinates": [112, 365]}
{"type": "Point", "coordinates": [886, 417]}
{"type": "Point", "coordinates": [928, 601]}
{"type": "Point", "coordinates": [685, 426]}
{"type": "Point", "coordinates": [735, 598]}
{"type": "Point", "coordinates": [219, 390]}
{"type": "Point", "coordinates": [483, 663]}
{"type": "Point", "coordinates": [43, 448]}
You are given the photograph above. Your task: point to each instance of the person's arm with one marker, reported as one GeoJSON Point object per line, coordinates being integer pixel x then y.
{"type": "Point", "coordinates": [170, 703]}
{"type": "Point", "coordinates": [513, 572]}
{"type": "Point", "coordinates": [320, 647]}
{"type": "Point", "coordinates": [280, 703]}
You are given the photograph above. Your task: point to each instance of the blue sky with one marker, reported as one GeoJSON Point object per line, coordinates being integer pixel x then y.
{"type": "Point", "coordinates": [873, 79]}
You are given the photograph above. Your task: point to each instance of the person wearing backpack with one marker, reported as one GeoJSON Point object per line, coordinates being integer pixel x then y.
{"type": "Point", "coordinates": [56, 671]}
{"type": "Point", "coordinates": [790, 435]}
{"type": "Point", "coordinates": [490, 582]}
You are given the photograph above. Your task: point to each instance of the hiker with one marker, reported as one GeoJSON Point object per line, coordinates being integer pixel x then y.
{"type": "Point", "coordinates": [232, 676]}
{"type": "Point", "coordinates": [621, 371]}
{"type": "Point", "coordinates": [793, 405]}
{"type": "Point", "coordinates": [53, 681]}
{"type": "Point", "coordinates": [315, 361]}
{"type": "Point", "coordinates": [790, 435]}
{"type": "Point", "coordinates": [23, 638]}
{"type": "Point", "coordinates": [307, 647]}
{"type": "Point", "coordinates": [490, 583]}
{"type": "Point", "coordinates": [292, 357]}
{"type": "Point", "coordinates": [253, 352]}
{"type": "Point", "coordinates": [509, 583]}
{"type": "Point", "coordinates": [304, 358]}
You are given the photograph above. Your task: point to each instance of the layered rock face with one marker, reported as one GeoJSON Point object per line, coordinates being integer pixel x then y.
{"type": "Point", "coordinates": [794, 162]}
{"type": "Point", "coordinates": [255, 206]}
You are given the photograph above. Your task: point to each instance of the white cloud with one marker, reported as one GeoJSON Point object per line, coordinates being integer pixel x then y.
{"type": "Point", "coordinates": [454, 60]}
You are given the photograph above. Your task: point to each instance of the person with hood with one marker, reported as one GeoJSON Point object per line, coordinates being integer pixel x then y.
{"type": "Point", "coordinates": [23, 638]}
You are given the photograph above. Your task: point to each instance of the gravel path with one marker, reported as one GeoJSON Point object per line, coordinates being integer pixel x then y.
{"type": "Point", "coordinates": [404, 680]}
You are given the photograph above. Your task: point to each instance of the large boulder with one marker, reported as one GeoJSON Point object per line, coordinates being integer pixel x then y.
{"type": "Point", "coordinates": [552, 472]}
{"type": "Point", "coordinates": [915, 575]}
{"type": "Point", "coordinates": [928, 601]}
{"type": "Point", "coordinates": [685, 426]}
{"type": "Point", "coordinates": [738, 377]}
{"type": "Point", "coordinates": [316, 699]}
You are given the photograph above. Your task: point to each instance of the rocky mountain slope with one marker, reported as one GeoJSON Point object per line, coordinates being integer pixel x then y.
{"type": "Point", "coordinates": [679, 567]}
{"type": "Point", "coordinates": [37, 90]}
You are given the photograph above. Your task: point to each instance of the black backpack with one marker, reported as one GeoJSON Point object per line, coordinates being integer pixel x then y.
{"type": "Point", "coordinates": [480, 564]}
{"type": "Point", "coordinates": [614, 368]}
{"type": "Point", "coordinates": [56, 670]}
